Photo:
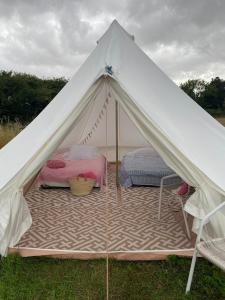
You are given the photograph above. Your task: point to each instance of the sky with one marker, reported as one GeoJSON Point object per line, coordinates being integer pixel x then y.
{"type": "Point", "coordinates": [52, 38]}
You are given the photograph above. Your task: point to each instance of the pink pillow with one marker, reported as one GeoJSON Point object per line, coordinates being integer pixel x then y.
{"type": "Point", "coordinates": [55, 164]}
{"type": "Point", "coordinates": [183, 189]}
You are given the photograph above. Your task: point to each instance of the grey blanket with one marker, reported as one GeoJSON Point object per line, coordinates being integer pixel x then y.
{"type": "Point", "coordinates": [144, 167]}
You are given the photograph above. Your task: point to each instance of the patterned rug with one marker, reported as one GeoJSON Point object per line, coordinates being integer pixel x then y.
{"type": "Point", "coordinates": [103, 221]}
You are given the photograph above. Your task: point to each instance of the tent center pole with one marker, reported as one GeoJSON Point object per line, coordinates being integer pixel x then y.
{"type": "Point", "coordinates": [117, 143]}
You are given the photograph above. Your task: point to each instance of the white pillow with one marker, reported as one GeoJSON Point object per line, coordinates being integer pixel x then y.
{"type": "Point", "coordinates": [77, 152]}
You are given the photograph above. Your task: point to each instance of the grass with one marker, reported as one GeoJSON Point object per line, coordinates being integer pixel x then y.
{"type": "Point", "coordinates": [43, 278]}
{"type": "Point", "coordinates": [8, 131]}
{"type": "Point", "coordinates": [46, 278]}
{"type": "Point", "coordinates": [221, 120]}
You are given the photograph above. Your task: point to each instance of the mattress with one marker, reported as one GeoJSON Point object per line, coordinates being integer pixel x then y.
{"type": "Point", "coordinates": [59, 177]}
{"type": "Point", "coordinates": [145, 167]}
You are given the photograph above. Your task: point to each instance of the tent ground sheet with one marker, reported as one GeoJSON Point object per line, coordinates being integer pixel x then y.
{"type": "Point", "coordinates": [104, 221]}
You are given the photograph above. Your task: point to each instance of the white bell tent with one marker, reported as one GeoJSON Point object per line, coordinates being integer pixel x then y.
{"type": "Point", "coordinates": [152, 109]}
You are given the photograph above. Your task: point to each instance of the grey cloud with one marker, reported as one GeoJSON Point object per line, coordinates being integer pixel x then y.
{"type": "Point", "coordinates": [53, 37]}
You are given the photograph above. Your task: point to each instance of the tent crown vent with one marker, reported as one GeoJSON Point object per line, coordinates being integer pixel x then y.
{"type": "Point", "coordinates": [109, 70]}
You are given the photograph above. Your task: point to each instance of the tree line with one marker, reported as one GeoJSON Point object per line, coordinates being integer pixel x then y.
{"type": "Point", "coordinates": [24, 96]}
{"type": "Point", "coordinates": [209, 95]}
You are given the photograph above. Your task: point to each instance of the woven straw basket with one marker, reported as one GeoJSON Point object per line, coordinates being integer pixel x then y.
{"type": "Point", "coordinates": [81, 186]}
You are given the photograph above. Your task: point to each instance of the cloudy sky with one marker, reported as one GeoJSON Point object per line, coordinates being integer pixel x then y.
{"type": "Point", "coordinates": [186, 38]}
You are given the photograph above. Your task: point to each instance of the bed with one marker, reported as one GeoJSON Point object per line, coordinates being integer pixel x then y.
{"type": "Point", "coordinates": [58, 177]}
{"type": "Point", "coordinates": [144, 167]}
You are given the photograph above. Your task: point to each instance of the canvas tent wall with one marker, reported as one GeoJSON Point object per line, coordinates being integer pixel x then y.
{"type": "Point", "coordinates": [190, 141]}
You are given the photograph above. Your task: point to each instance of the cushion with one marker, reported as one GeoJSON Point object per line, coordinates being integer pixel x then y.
{"type": "Point", "coordinates": [78, 152]}
{"type": "Point", "coordinates": [183, 189]}
{"type": "Point", "coordinates": [55, 164]}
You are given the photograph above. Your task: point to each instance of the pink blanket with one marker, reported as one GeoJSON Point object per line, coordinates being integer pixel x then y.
{"type": "Point", "coordinates": [59, 177]}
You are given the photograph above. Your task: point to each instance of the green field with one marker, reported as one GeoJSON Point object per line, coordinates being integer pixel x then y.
{"type": "Point", "coordinates": [46, 278]}
{"type": "Point", "coordinates": [221, 120]}
{"type": "Point", "coordinates": [8, 131]}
